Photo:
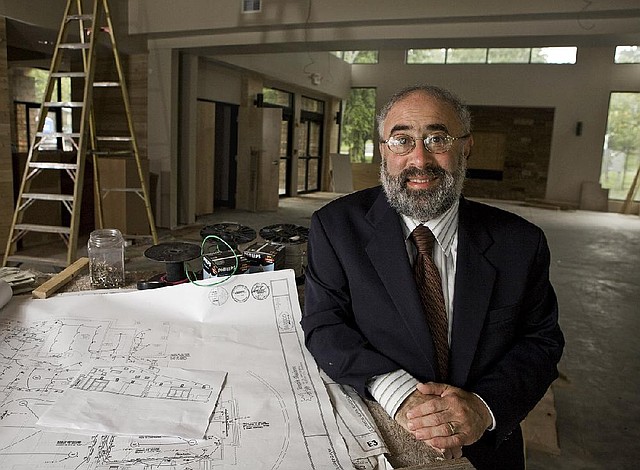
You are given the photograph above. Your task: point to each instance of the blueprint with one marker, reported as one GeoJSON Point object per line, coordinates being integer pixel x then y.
{"type": "Point", "coordinates": [273, 411]}
{"type": "Point", "coordinates": [127, 399]}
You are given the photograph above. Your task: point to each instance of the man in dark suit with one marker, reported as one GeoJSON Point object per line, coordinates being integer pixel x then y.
{"type": "Point", "coordinates": [364, 317]}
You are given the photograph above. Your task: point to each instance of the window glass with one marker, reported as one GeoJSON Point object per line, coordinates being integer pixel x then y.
{"type": "Point", "coordinates": [499, 55]}
{"type": "Point", "coordinates": [426, 56]}
{"type": "Point", "coordinates": [467, 56]}
{"type": "Point", "coordinates": [621, 151]}
{"type": "Point", "coordinates": [358, 125]}
{"type": "Point", "coordinates": [509, 55]}
{"type": "Point", "coordinates": [276, 97]}
{"type": "Point", "coordinates": [627, 55]}
{"type": "Point", "coordinates": [553, 55]}
{"type": "Point", "coordinates": [358, 57]}
{"type": "Point", "coordinates": [311, 105]}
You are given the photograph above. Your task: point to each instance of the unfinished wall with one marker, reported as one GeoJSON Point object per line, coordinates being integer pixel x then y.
{"type": "Point", "coordinates": [6, 176]}
{"type": "Point", "coordinates": [578, 92]}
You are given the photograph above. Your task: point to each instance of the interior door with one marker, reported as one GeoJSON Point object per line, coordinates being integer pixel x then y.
{"type": "Point", "coordinates": [205, 138]}
{"type": "Point", "coordinates": [269, 160]}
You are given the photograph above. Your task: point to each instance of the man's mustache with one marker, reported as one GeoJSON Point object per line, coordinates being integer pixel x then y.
{"type": "Point", "coordinates": [429, 172]}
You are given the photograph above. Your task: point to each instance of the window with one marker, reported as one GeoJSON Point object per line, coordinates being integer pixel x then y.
{"type": "Point", "coordinates": [554, 55]}
{"type": "Point", "coordinates": [621, 151]}
{"type": "Point", "coordinates": [426, 56]}
{"type": "Point", "coordinates": [311, 105]}
{"type": "Point", "coordinates": [627, 55]}
{"type": "Point", "coordinates": [29, 89]}
{"type": "Point", "coordinates": [507, 55]}
{"type": "Point", "coordinates": [358, 57]}
{"type": "Point", "coordinates": [358, 125]}
{"type": "Point", "coordinates": [275, 97]}
{"type": "Point", "coordinates": [466, 56]}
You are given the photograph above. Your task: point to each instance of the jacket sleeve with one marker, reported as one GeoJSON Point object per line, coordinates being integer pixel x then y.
{"type": "Point", "coordinates": [328, 321]}
{"type": "Point", "coordinates": [515, 381]}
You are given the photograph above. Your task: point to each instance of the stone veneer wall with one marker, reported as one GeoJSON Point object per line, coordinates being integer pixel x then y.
{"type": "Point", "coordinates": [6, 173]}
{"type": "Point", "coordinates": [527, 148]}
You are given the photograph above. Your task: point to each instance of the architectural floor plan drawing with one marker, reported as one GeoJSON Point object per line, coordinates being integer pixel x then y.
{"type": "Point", "coordinates": [136, 399]}
{"type": "Point", "coordinates": [273, 411]}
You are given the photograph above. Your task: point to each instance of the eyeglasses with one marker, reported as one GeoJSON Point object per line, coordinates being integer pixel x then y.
{"type": "Point", "coordinates": [437, 142]}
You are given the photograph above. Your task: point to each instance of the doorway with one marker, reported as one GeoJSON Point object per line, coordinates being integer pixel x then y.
{"type": "Point", "coordinates": [225, 155]}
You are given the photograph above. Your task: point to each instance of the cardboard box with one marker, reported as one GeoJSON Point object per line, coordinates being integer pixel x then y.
{"type": "Point", "coordinates": [223, 263]}
{"type": "Point", "coordinates": [265, 256]}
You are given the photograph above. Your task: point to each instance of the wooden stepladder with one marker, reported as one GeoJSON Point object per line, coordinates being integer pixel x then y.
{"type": "Point", "coordinates": [75, 58]}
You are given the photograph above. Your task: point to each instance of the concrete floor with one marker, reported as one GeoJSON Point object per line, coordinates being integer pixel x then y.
{"type": "Point", "coordinates": [596, 273]}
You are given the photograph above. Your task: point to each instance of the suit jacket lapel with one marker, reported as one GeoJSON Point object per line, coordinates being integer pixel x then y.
{"type": "Point", "coordinates": [388, 254]}
{"type": "Point", "coordinates": [475, 277]}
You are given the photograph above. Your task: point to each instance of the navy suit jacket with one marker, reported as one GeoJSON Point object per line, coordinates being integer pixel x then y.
{"type": "Point", "coordinates": [363, 315]}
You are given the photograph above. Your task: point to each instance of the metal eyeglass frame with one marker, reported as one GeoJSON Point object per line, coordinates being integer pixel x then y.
{"type": "Point", "coordinates": [426, 141]}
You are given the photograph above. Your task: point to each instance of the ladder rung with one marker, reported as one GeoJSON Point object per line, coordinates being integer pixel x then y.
{"type": "Point", "coordinates": [68, 74]}
{"type": "Point", "coordinates": [48, 196]}
{"type": "Point", "coordinates": [53, 166]}
{"type": "Point", "coordinates": [64, 104]}
{"type": "Point", "coordinates": [73, 135]}
{"type": "Point", "coordinates": [106, 84]}
{"type": "Point", "coordinates": [114, 139]}
{"type": "Point", "coordinates": [112, 153]}
{"type": "Point", "coordinates": [36, 260]}
{"type": "Point", "coordinates": [43, 228]}
{"type": "Point", "coordinates": [85, 17]}
{"type": "Point", "coordinates": [121, 190]}
{"type": "Point", "coordinates": [75, 45]}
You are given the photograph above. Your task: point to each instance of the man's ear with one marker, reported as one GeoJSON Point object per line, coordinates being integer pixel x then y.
{"type": "Point", "coordinates": [467, 146]}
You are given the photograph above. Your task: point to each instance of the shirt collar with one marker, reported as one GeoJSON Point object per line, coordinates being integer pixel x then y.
{"type": "Point", "coordinates": [443, 227]}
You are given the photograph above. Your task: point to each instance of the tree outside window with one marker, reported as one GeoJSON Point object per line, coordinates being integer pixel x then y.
{"type": "Point", "coordinates": [358, 125]}
{"type": "Point", "coordinates": [621, 153]}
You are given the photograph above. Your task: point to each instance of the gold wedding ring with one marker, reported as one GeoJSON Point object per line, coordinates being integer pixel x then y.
{"type": "Point", "coordinates": [451, 428]}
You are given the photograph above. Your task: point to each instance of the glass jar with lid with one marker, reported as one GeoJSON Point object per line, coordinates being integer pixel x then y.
{"type": "Point", "coordinates": [105, 250]}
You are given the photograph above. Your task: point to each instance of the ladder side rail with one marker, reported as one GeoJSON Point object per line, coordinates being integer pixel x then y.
{"type": "Point", "coordinates": [84, 135]}
{"type": "Point", "coordinates": [97, 191]}
{"type": "Point", "coordinates": [25, 183]}
{"type": "Point", "coordinates": [134, 143]}
{"type": "Point", "coordinates": [92, 122]}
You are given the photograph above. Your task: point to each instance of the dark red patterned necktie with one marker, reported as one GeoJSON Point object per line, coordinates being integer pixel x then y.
{"type": "Point", "coordinates": [430, 289]}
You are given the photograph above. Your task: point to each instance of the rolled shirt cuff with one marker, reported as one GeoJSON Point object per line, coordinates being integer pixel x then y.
{"type": "Point", "coordinates": [391, 389]}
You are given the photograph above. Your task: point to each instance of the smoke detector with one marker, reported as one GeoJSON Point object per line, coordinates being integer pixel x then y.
{"type": "Point", "coordinates": [316, 78]}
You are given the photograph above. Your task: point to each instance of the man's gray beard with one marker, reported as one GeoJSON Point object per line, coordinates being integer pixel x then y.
{"type": "Point", "coordinates": [423, 204]}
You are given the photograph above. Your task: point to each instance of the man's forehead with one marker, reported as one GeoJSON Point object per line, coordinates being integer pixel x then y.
{"type": "Point", "coordinates": [420, 112]}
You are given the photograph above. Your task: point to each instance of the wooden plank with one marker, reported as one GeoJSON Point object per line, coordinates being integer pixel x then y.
{"type": "Point", "coordinates": [56, 282]}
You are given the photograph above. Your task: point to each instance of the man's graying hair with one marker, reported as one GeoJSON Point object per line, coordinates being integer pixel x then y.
{"type": "Point", "coordinates": [436, 92]}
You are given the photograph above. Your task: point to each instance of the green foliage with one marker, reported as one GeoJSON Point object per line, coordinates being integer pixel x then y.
{"type": "Point", "coordinates": [482, 55]}
{"type": "Point", "coordinates": [628, 55]}
{"type": "Point", "coordinates": [358, 122]}
{"type": "Point", "coordinates": [358, 57]}
{"type": "Point", "coordinates": [621, 158]}
{"type": "Point", "coordinates": [509, 55]}
{"type": "Point", "coordinates": [467, 56]}
{"type": "Point", "coordinates": [426, 56]}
